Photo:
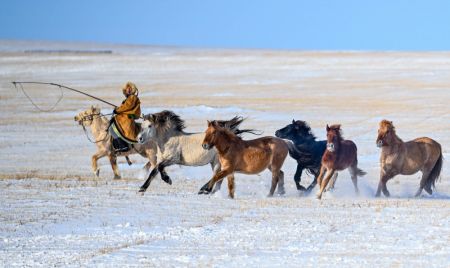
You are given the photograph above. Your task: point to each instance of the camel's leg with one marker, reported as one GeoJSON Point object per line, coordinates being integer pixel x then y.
{"type": "Point", "coordinates": [207, 188]}
{"type": "Point", "coordinates": [325, 181]}
{"type": "Point", "coordinates": [231, 186]}
{"type": "Point", "coordinates": [113, 161]}
{"type": "Point", "coordinates": [95, 158]}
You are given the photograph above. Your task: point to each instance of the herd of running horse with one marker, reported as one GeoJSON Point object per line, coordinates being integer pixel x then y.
{"type": "Point", "coordinates": [164, 142]}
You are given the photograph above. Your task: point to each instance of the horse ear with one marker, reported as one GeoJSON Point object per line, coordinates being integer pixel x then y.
{"type": "Point", "coordinates": [293, 121]}
{"type": "Point", "coordinates": [328, 128]}
{"type": "Point", "coordinates": [209, 123]}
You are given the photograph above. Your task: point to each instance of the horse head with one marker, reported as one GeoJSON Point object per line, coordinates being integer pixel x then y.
{"type": "Point", "coordinates": [385, 132]}
{"type": "Point", "coordinates": [210, 135]}
{"type": "Point", "coordinates": [86, 117]}
{"type": "Point", "coordinates": [295, 131]}
{"type": "Point", "coordinates": [160, 126]}
{"type": "Point", "coordinates": [334, 137]}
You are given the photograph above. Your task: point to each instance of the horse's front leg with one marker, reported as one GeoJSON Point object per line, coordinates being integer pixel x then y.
{"type": "Point", "coordinates": [95, 158]}
{"type": "Point", "coordinates": [159, 168]}
{"type": "Point", "coordinates": [384, 177]}
{"type": "Point", "coordinates": [325, 181]}
{"type": "Point", "coordinates": [163, 173]}
{"type": "Point", "coordinates": [298, 177]}
{"type": "Point", "coordinates": [207, 188]}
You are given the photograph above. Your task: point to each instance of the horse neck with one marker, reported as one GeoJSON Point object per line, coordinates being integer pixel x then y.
{"type": "Point", "coordinates": [98, 126]}
{"type": "Point", "coordinates": [303, 139]}
{"type": "Point", "coordinates": [394, 143]}
{"type": "Point", "coordinates": [225, 141]}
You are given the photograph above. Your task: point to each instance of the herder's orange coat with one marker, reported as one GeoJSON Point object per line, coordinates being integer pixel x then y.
{"type": "Point", "coordinates": [126, 114]}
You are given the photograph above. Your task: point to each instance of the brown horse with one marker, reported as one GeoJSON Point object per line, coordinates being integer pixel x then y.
{"type": "Point", "coordinates": [407, 158]}
{"type": "Point", "coordinates": [339, 155]}
{"type": "Point", "coordinates": [248, 157]}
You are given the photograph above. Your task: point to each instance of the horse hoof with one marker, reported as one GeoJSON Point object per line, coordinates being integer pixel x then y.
{"type": "Point", "coordinates": [204, 191]}
{"type": "Point", "coordinates": [282, 192]}
{"type": "Point", "coordinates": [319, 196]}
{"type": "Point", "coordinates": [142, 190]}
{"type": "Point", "coordinates": [117, 177]}
{"type": "Point", "coordinates": [167, 180]}
{"type": "Point", "coordinates": [97, 173]}
{"type": "Point", "coordinates": [301, 188]}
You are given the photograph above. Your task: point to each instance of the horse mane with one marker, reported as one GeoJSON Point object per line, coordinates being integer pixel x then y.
{"type": "Point", "coordinates": [165, 120]}
{"type": "Point", "coordinates": [305, 126]}
{"type": "Point", "coordinates": [337, 130]}
{"type": "Point", "coordinates": [385, 124]}
{"type": "Point", "coordinates": [233, 125]}
{"type": "Point", "coordinates": [229, 134]}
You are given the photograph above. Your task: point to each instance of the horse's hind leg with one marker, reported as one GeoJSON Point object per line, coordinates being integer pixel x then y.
{"type": "Point", "coordinates": [423, 182]}
{"type": "Point", "coordinates": [354, 174]}
{"type": "Point", "coordinates": [298, 178]}
{"type": "Point", "coordinates": [113, 161]}
{"type": "Point", "coordinates": [280, 189]}
{"type": "Point", "coordinates": [230, 179]}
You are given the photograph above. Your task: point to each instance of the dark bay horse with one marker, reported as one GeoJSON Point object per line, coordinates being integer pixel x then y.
{"type": "Point", "coordinates": [305, 149]}
{"type": "Point", "coordinates": [407, 158]}
{"type": "Point", "coordinates": [339, 155]}
{"type": "Point", "coordinates": [244, 156]}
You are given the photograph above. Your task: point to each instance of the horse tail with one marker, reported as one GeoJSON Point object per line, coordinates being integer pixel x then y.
{"type": "Point", "coordinates": [360, 172]}
{"type": "Point", "coordinates": [435, 172]}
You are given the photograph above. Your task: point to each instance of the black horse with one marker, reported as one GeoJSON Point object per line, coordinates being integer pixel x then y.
{"type": "Point", "coordinates": [305, 149]}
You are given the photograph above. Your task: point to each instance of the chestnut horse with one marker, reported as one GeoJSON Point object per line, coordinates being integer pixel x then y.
{"type": "Point", "coordinates": [407, 158]}
{"type": "Point", "coordinates": [248, 157]}
{"type": "Point", "coordinates": [339, 155]}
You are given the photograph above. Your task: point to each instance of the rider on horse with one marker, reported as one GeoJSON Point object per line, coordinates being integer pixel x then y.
{"type": "Point", "coordinates": [123, 124]}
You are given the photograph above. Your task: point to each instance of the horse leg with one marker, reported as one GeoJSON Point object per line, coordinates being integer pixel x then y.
{"type": "Point", "coordinates": [313, 183]}
{"type": "Point", "coordinates": [384, 177]}
{"type": "Point", "coordinates": [128, 160]}
{"type": "Point", "coordinates": [113, 161]}
{"type": "Point", "coordinates": [215, 168]}
{"type": "Point", "coordinates": [332, 182]}
{"type": "Point", "coordinates": [95, 158]}
{"type": "Point", "coordinates": [149, 179]}
{"type": "Point", "coordinates": [325, 181]}
{"type": "Point", "coordinates": [354, 174]}
{"type": "Point", "coordinates": [162, 171]}
{"type": "Point", "coordinates": [298, 178]}
{"type": "Point", "coordinates": [423, 182]}
{"type": "Point", "coordinates": [321, 174]}
{"type": "Point", "coordinates": [207, 188]}
{"type": "Point", "coordinates": [280, 189]}
{"type": "Point", "coordinates": [230, 179]}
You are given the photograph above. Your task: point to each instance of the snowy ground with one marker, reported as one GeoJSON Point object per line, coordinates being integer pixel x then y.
{"type": "Point", "coordinates": [53, 212]}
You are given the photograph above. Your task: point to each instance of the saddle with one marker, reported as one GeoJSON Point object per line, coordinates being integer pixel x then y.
{"type": "Point", "coordinates": [119, 143]}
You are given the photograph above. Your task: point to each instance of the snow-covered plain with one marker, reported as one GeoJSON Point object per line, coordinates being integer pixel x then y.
{"type": "Point", "coordinates": [53, 212]}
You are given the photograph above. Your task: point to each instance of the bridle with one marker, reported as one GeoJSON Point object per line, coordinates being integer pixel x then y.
{"type": "Point", "coordinates": [90, 117]}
